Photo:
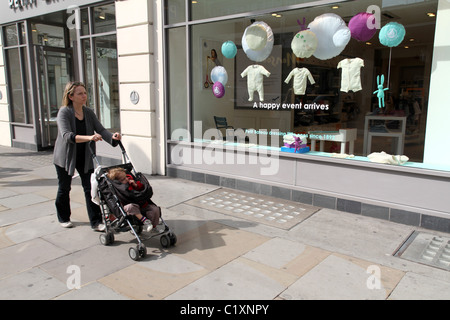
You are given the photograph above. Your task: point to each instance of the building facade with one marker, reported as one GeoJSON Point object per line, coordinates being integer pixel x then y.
{"type": "Point", "coordinates": [338, 104]}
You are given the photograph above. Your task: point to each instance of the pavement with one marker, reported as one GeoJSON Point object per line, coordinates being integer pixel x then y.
{"type": "Point", "coordinates": [325, 255]}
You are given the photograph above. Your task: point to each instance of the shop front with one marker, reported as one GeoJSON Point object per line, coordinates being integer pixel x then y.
{"type": "Point", "coordinates": [338, 104]}
{"type": "Point", "coordinates": [46, 44]}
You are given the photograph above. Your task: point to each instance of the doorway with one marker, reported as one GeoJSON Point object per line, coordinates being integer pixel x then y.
{"type": "Point", "coordinates": [54, 68]}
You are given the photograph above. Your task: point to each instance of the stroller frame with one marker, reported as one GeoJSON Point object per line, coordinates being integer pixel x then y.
{"type": "Point", "coordinates": [125, 222]}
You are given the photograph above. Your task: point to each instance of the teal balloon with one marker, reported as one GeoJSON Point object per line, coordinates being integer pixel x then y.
{"type": "Point", "coordinates": [392, 34]}
{"type": "Point", "coordinates": [229, 49]}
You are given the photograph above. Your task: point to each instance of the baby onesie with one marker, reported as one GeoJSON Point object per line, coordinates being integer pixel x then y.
{"type": "Point", "coordinates": [351, 74]}
{"type": "Point", "coordinates": [301, 76]}
{"type": "Point", "coordinates": [254, 74]}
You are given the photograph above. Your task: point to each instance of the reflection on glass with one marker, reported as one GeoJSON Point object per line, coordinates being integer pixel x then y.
{"type": "Point", "coordinates": [84, 22]}
{"type": "Point", "coordinates": [15, 84]}
{"type": "Point", "coordinates": [87, 58]}
{"type": "Point", "coordinates": [107, 80]}
{"type": "Point", "coordinates": [177, 72]}
{"type": "Point", "coordinates": [27, 88]}
{"type": "Point", "coordinates": [175, 11]}
{"type": "Point", "coordinates": [48, 35]}
{"type": "Point", "coordinates": [10, 35]}
{"type": "Point", "coordinates": [104, 18]}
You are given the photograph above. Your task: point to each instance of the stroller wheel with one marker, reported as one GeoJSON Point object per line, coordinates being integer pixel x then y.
{"type": "Point", "coordinates": [140, 251]}
{"type": "Point", "coordinates": [173, 239]}
{"type": "Point", "coordinates": [133, 253]}
{"type": "Point", "coordinates": [106, 238]}
{"type": "Point", "coordinates": [165, 241]}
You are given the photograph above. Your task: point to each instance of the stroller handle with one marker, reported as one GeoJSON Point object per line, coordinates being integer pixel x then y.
{"type": "Point", "coordinates": [94, 156]}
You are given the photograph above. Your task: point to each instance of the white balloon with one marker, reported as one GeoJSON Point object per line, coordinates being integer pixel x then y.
{"type": "Point", "coordinates": [220, 74]}
{"type": "Point", "coordinates": [264, 53]}
{"type": "Point", "coordinates": [332, 34]}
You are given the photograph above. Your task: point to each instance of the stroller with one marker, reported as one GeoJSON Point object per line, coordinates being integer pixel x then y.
{"type": "Point", "coordinates": [116, 220]}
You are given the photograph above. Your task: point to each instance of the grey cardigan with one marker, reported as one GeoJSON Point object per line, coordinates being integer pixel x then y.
{"type": "Point", "coordinates": [64, 154]}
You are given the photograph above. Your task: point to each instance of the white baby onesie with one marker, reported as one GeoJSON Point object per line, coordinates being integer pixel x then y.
{"type": "Point", "coordinates": [301, 76]}
{"type": "Point", "coordinates": [255, 80]}
{"type": "Point", "coordinates": [351, 74]}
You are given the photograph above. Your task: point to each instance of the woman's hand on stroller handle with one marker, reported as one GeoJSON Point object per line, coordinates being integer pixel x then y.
{"type": "Point", "coordinates": [117, 136]}
{"type": "Point", "coordinates": [96, 137]}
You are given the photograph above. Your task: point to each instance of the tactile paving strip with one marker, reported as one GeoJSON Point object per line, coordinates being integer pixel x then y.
{"type": "Point", "coordinates": [428, 249]}
{"type": "Point", "coordinates": [276, 212]}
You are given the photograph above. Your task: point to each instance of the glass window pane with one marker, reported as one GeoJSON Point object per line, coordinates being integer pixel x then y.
{"type": "Point", "coordinates": [88, 81]}
{"type": "Point", "coordinates": [215, 8]}
{"type": "Point", "coordinates": [177, 73]}
{"type": "Point", "coordinates": [28, 102]}
{"type": "Point", "coordinates": [175, 11]}
{"type": "Point", "coordinates": [15, 85]}
{"type": "Point", "coordinates": [326, 106]}
{"type": "Point", "coordinates": [104, 18]}
{"type": "Point", "coordinates": [48, 35]}
{"type": "Point", "coordinates": [11, 38]}
{"type": "Point", "coordinates": [85, 21]}
{"type": "Point", "coordinates": [108, 83]}
{"type": "Point", "coordinates": [22, 33]}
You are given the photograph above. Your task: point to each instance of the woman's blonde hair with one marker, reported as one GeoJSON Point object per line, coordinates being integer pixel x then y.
{"type": "Point", "coordinates": [69, 90]}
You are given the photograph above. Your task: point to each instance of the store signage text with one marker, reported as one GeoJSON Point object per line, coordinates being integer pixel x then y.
{"type": "Point", "coordinates": [290, 106]}
{"type": "Point", "coordinates": [16, 4]}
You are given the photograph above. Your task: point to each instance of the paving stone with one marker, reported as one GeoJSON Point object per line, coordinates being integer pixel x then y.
{"type": "Point", "coordinates": [34, 284]}
{"type": "Point", "coordinates": [27, 255]}
{"type": "Point", "coordinates": [342, 278]}
{"type": "Point", "coordinates": [92, 291]}
{"type": "Point", "coordinates": [236, 280]}
{"type": "Point", "coordinates": [421, 287]}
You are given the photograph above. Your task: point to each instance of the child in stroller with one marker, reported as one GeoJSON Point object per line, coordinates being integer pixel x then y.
{"type": "Point", "coordinates": [111, 194]}
{"type": "Point", "coordinates": [145, 211]}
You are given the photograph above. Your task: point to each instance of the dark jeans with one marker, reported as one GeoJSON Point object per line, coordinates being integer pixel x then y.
{"type": "Point", "coordinates": [62, 201]}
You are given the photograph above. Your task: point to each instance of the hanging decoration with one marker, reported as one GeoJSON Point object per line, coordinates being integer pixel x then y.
{"type": "Point", "coordinates": [380, 91]}
{"type": "Point", "coordinates": [265, 43]}
{"type": "Point", "coordinates": [229, 49]}
{"type": "Point", "coordinates": [392, 34]}
{"type": "Point", "coordinates": [218, 89]}
{"type": "Point", "coordinates": [255, 36]}
{"type": "Point", "coordinates": [358, 26]}
{"type": "Point", "coordinates": [304, 44]}
{"type": "Point", "coordinates": [219, 74]}
{"type": "Point", "coordinates": [332, 34]}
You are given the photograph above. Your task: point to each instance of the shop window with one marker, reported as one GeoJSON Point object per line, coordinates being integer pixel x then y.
{"type": "Point", "coordinates": [17, 73]}
{"type": "Point", "coordinates": [48, 35]}
{"type": "Point", "coordinates": [104, 18]}
{"type": "Point", "coordinates": [100, 63]}
{"type": "Point", "coordinates": [211, 9]}
{"type": "Point", "coordinates": [175, 11]}
{"type": "Point", "coordinates": [177, 74]}
{"type": "Point", "coordinates": [11, 35]}
{"type": "Point", "coordinates": [84, 13]}
{"type": "Point", "coordinates": [326, 110]}
{"type": "Point", "coordinates": [108, 84]}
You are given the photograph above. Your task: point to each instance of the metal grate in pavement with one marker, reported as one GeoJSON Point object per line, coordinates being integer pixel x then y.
{"type": "Point", "coordinates": [426, 248]}
{"type": "Point", "coordinates": [272, 211]}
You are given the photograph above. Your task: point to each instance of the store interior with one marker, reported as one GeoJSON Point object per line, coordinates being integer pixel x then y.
{"type": "Point", "coordinates": [406, 69]}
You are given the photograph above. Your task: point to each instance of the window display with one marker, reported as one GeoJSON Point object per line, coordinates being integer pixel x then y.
{"type": "Point", "coordinates": [318, 80]}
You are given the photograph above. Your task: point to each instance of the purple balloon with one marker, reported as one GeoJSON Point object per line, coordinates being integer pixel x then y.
{"type": "Point", "coordinates": [218, 89]}
{"type": "Point", "coordinates": [361, 28]}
